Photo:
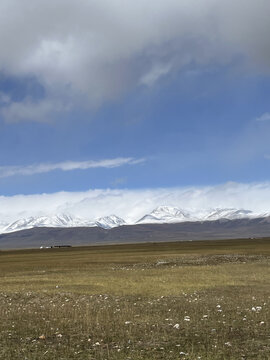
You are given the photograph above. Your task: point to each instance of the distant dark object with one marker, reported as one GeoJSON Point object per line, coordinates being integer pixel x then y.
{"type": "Point", "coordinates": [54, 246]}
{"type": "Point", "coordinates": [61, 246]}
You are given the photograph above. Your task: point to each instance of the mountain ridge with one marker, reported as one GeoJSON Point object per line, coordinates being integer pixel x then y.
{"type": "Point", "coordinates": [138, 233]}
{"type": "Point", "coordinates": [162, 214]}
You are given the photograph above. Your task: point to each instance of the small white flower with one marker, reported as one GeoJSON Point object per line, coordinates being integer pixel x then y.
{"type": "Point", "coordinates": [256, 308]}
{"type": "Point", "coordinates": [176, 326]}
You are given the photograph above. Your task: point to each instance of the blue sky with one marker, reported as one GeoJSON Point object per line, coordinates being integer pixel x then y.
{"type": "Point", "coordinates": [190, 130]}
{"type": "Point", "coordinates": [179, 90]}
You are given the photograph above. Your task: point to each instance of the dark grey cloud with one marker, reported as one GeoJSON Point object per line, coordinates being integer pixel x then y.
{"type": "Point", "coordinates": [92, 51]}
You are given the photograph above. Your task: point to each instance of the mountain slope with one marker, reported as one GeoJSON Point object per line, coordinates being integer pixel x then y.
{"type": "Point", "coordinates": [56, 221]}
{"type": "Point", "coordinates": [165, 214]}
{"type": "Point", "coordinates": [207, 230]}
{"type": "Point", "coordinates": [230, 214]}
{"type": "Point", "coordinates": [160, 215]}
{"type": "Point", "coordinates": [62, 221]}
{"type": "Point", "coordinates": [109, 222]}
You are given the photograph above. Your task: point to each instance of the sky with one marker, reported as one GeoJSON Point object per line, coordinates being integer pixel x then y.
{"type": "Point", "coordinates": [139, 101]}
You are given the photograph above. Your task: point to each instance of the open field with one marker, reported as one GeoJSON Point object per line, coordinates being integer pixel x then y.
{"type": "Point", "coordinates": [187, 300]}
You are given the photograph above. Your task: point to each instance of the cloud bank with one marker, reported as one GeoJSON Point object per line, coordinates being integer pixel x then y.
{"type": "Point", "coordinates": [93, 51]}
{"type": "Point", "coordinates": [133, 204]}
{"type": "Point", "coordinates": [6, 171]}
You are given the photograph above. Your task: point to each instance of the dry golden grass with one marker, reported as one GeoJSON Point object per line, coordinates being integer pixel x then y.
{"type": "Point", "coordinates": [199, 300]}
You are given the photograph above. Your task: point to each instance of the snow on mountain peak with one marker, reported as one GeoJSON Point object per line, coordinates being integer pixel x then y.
{"type": "Point", "coordinates": [61, 220]}
{"type": "Point", "coordinates": [165, 214]}
{"type": "Point", "coordinates": [229, 214]}
{"type": "Point", "coordinates": [108, 222]}
{"type": "Point", "coordinates": [170, 210]}
{"type": "Point", "coordinates": [160, 215]}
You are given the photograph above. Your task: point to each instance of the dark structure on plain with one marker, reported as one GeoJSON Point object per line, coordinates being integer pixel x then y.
{"type": "Point", "coordinates": [61, 246]}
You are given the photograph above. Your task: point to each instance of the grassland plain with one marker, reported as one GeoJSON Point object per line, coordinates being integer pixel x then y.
{"type": "Point", "coordinates": [186, 300]}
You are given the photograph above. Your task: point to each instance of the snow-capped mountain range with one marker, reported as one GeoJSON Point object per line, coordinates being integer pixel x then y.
{"type": "Point", "coordinates": [168, 214]}
{"type": "Point", "coordinates": [160, 215]}
{"type": "Point", "coordinates": [62, 220]}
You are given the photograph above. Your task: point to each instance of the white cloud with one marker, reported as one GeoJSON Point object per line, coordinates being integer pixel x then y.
{"type": "Point", "coordinates": [132, 204]}
{"type": "Point", "coordinates": [6, 171]}
{"type": "Point", "coordinates": [43, 110]}
{"type": "Point", "coordinates": [94, 51]}
{"type": "Point", "coordinates": [264, 117]}
{"type": "Point", "coordinates": [155, 74]}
